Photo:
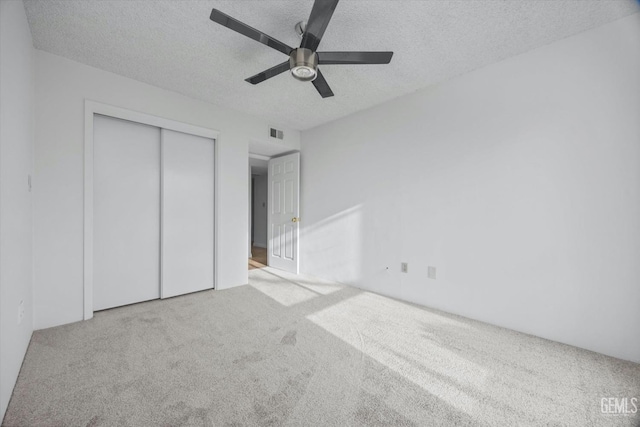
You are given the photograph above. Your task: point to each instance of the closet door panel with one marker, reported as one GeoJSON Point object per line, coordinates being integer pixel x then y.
{"type": "Point", "coordinates": [187, 213]}
{"type": "Point", "coordinates": [126, 212]}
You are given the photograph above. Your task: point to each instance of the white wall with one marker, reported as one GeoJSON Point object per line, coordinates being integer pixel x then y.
{"type": "Point", "coordinates": [61, 88]}
{"type": "Point", "coordinates": [16, 219]}
{"type": "Point", "coordinates": [260, 211]}
{"type": "Point", "coordinates": [519, 182]}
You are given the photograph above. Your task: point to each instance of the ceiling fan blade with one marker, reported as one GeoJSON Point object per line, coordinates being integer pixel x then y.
{"type": "Point", "coordinates": [316, 25]}
{"type": "Point", "coordinates": [322, 86]}
{"type": "Point", "coordinates": [245, 30]}
{"type": "Point", "coordinates": [354, 57]}
{"type": "Point", "coordinates": [267, 74]}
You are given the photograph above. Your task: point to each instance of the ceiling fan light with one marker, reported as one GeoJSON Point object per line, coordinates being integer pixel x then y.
{"type": "Point", "coordinates": [304, 73]}
{"type": "Point", "coordinates": [303, 64]}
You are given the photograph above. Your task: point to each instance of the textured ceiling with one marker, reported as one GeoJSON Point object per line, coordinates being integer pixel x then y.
{"type": "Point", "coordinates": [174, 45]}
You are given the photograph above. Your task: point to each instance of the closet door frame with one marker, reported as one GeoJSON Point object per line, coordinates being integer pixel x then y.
{"type": "Point", "coordinates": [91, 108]}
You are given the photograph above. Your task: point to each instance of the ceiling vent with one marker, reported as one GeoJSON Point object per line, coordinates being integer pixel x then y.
{"type": "Point", "coordinates": [275, 133]}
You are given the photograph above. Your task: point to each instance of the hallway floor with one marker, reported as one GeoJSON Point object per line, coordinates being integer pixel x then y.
{"type": "Point", "coordinates": [259, 259]}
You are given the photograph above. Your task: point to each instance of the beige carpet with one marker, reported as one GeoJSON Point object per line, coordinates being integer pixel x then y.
{"type": "Point", "coordinates": [295, 351]}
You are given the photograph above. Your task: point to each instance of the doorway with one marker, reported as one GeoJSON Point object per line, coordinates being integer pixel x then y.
{"type": "Point", "coordinates": [274, 210]}
{"type": "Point", "coordinates": [258, 212]}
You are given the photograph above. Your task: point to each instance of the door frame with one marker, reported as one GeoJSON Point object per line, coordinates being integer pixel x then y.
{"type": "Point", "coordinates": [90, 109]}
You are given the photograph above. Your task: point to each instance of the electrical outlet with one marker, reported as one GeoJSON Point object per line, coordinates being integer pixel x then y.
{"type": "Point", "coordinates": [404, 267]}
{"type": "Point", "coordinates": [431, 272]}
{"type": "Point", "coordinates": [20, 311]}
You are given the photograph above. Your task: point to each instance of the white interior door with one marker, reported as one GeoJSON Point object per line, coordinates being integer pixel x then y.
{"type": "Point", "coordinates": [187, 213]}
{"type": "Point", "coordinates": [284, 184]}
{"type": "Point", "coordinates": [126, 230]}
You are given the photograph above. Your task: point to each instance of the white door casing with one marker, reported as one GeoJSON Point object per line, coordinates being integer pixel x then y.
{"type": "Point", "coordinates": [126, 212]}
{"type": "Point", "coordinates": [91, 110]}
{"type": "Point", "coordinates": [284, 212]}
{"type": "Point", "coordinates": [187, 213]}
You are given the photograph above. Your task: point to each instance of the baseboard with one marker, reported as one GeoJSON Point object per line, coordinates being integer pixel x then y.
{"type": "Point", "coordinates": [260, 245]}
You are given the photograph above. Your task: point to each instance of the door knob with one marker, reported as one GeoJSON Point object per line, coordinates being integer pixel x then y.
{"type": "Point", "coordinates": [294, 219]}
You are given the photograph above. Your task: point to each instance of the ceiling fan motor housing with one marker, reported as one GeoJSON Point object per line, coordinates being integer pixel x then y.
{"type": "Point", "coordinates": [303, 64]}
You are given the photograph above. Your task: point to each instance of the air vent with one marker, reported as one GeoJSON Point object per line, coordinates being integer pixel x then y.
{"type": "Point", "coordinates": [275, 133]}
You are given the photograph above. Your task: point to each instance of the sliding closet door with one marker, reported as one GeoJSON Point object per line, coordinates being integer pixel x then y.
{"type": "Point", "coordinates": [126, 212]}
{"type": "Point", "coordinates": [187, 213]}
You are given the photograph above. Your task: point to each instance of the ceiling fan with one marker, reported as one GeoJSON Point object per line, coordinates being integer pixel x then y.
{"type": "Point", "coordinates": [303, 61]}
